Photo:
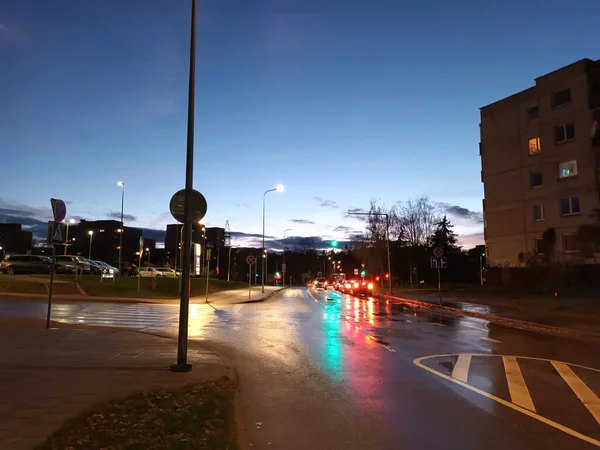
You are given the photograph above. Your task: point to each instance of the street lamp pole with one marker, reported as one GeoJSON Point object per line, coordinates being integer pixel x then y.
{"type": "Point", "coordinates": [283, 266]}
{"type": "Point", "coordinates": [70, 221]}
{"type": "Point", "coordinates": [387, 235]}
{"type": "Point", "coordinates": [182, 364]}
{"type": "Point", "coordinates": [148, 250]}
{"type": "Point", "coordinates": [121, 184]}
{"type": "Point", "coordinates": [91, 233]}
{"type": "Point", "coordinates": [278, 188]}
{"type": "Point", "coordinates": [481, 269]}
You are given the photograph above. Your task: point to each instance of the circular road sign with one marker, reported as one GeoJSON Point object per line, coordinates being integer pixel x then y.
{"type": "Point", "coordinates": [59, 209]}
{"type": "Point", "coordinates": [250, 259]}
{"type": "Point", "coordinates": [438, 252]}
{"type": "Point", "coordinates": [197, 206]}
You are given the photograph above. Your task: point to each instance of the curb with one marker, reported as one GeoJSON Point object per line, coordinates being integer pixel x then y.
{"type": "Point", "coordinates": [263, 299]}
{"type": "Point", "coordinates": [513, 323]}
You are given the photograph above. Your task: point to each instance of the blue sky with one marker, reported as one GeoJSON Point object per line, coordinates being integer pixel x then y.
{"type": "Point", "coordinates": [340, 101]}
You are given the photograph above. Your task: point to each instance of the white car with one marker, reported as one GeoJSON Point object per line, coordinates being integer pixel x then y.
{"type": "Point", "coordinates": [166, 272]}
{"type": "Point", "coordinates": [149, 272]}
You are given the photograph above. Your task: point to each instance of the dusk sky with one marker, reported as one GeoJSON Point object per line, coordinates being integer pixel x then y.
{"type": "Point", "coordinates": [340, 101]}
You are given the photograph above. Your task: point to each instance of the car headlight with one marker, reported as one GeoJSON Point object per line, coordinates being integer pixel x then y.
{"type": "Point", "coordinates": [370, 286]}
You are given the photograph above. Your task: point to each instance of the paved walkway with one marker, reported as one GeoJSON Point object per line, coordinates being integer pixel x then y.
{"type": "Point", "coordinates": [48, 376]}
{"type": "Point", "coordinates": [224, 297]}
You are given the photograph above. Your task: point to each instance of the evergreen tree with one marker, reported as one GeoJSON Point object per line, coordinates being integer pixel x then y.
{"type": "Point", "coordinates": [444, 237]}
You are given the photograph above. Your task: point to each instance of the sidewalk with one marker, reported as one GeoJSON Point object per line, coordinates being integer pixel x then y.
{"type": "Point", "coordinates": [48, 376]}
{"type": "Point", "coordinates": [232, 296]}
{"type": "Point", "coordinates": [542, 317]}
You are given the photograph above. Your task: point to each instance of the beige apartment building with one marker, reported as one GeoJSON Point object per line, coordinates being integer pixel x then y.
{"type": "Point", "coordinates": [539, 157]}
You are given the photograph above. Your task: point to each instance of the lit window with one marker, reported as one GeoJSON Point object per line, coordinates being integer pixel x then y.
{"type": "Point", "coordinates": [561, 98]}
{"type": "Point", "coordinates": [567, 169]}
{"type": "Point", "coordinates": [101, 231]}
{"type": "Point", "coordinates": [563, 133]}
{"type": "Point", "coordinates": [534, 146]}
{"type": "Point", "coordinates": [569, 243]}
{"type": "Point", "coordinates": [538, 212]}
{"type": "Point", "coordinates": [569, 205]}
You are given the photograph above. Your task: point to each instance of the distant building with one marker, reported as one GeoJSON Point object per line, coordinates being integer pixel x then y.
{"type": "Point", "coordinates": [212, 238]}
{"type": "Point", "coordinates": [13, 239]}
{"type": "Point", "coordinates": [102, 237]}
{"type": "Point", "coordinates": [539, 155]}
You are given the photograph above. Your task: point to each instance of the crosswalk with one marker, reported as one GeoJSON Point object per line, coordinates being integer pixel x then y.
{"type": "Point", "coordinates": [524, 383]}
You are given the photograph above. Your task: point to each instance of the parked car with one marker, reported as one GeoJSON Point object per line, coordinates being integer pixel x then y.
{"type": "Point", "coordinates": [148, 272]}
{"type": "Point", "coordinates": [127, 268]}
{"type": "Point", "coordinates": [108, 267]}
{"type": "Point", "coordinates": [13, 264]}
{"type": "Point", "coordinates": [80, 264]}
{"type": "Point", "coordinates": [167, 272]}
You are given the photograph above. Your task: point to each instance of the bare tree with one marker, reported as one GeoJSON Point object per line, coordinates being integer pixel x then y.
{"type": "Point", "coordinates": [414, 222]}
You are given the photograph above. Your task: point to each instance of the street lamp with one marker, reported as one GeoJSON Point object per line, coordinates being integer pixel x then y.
{"type": "Point", "coordinates": [70, 221]}
{"type": "Point", "coordinates": [148, 250]}
{"type": "Point", "coordinates": [278, 188]}
{"type": "Point", "coordinates": [283, 266]}
{"type": "Point", "coordinates": [121, 184]}
{"type": "Point", "coordinates": [91, 233]}
{"type": "Point", "coordinates": [481, 268]}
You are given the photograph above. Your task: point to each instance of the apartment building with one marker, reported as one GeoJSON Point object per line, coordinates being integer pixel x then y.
{"type": "Point", "coordinates": [539, 157]}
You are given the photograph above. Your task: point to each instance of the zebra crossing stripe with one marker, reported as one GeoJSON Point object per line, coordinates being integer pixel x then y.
{"type": "Point", "coordinates": [581, 390]}
{"type": "Point", "coordinates": [519, 393]}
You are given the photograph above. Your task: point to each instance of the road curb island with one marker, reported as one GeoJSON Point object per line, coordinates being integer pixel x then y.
{"type": "Point", "coordinates": [505, 321]}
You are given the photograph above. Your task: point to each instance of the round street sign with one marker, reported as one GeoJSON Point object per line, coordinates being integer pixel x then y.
{"type": "Point", "coordinates": [59, 209]}
{"type": "Point", "coordinates": [438, 252]}
{"type": "Point", "coordinates": [250, 259]}
{"type": "Point", "coordinates": [197, 206]}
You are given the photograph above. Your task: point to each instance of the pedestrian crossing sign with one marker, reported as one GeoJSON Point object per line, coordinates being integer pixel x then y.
{"type": "Point", "coordinates": [58, 232]}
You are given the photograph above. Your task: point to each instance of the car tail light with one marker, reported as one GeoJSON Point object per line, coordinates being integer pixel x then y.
{"type": "Point", "coordinates": [348, 285]}
{"type": "Point", "coordinates": [370, 286]}
{"type": "Point", "coordinates": [364, 283]}
{"type": "Point", "coordinates": [326, 283]}
{"type": "Point", "coordinates": [356, 285]}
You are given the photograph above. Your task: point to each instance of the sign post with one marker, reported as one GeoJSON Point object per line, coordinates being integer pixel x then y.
{"type": "Point", "coordinates": [438, 262]}
{"type": "Point", "coordinates": [250, 260]}
{"type": "Point", "coordinates": [207, 271]}
{"type": "Point", "coordinates": [140, 262]}
{"type": "Point", "coordinates": [59, 211]}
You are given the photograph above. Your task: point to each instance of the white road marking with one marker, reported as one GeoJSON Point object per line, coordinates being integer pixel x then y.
{"type": "Point", "coordinates": [461, 368]}
{"type": "Point", "coordinates": [418, 362]}
{"type": "Point", "coordinates": [495, 341]}
{"type": "Point", "coordinates": [519, 393]}
{"type": "Point", "coordinates": [585, 394]}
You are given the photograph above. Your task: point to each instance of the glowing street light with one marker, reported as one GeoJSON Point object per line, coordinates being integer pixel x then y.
{"type": "Point", "coordinates": [70, 221]}
{"type": "Point", "coordinates": [91, 233]}
{"type": "Point", "coordinates": [278, 188]}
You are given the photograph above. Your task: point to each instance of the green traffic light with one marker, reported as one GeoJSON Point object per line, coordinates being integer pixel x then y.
{"type": "Point", "coordinates": [363, 273]}
{"type": "Point", "coordinates": [334, 243]}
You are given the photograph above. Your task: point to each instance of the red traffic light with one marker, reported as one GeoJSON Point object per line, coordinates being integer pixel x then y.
{"type": "Point", "coordinates": [387, 275]}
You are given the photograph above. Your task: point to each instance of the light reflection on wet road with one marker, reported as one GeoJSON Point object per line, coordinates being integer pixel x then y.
{"type": "Point", "coordinates": [322, 370]}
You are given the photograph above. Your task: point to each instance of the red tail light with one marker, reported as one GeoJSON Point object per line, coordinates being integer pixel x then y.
{"type": "Point", "coordinates": [348, 285]}
{"type": "Point", "coordinates": [364, 283]}
{"type": "Point", "coordinates": [326, 283]}
{"type": "Point", "coordinates": [356, 285]}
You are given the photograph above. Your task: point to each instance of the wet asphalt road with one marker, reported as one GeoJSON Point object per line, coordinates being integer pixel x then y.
{"type": "Point", "coordinates": [320, 370]}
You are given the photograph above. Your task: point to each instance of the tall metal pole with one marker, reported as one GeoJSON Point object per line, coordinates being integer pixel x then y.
{"type": "Point", "coordinates": [387, 228]}
{"type": "Point", "coordinates": [90, 250]}
{"type": "Point", "coordinates": [67, 238]}
{"type": "Point", "coordinates": [184, 308]}
{"type": "Point", "coordinates": [229, 265]}
{"type": "Point", "coordinates": [262, 289]}
{"type": "Point", "coordinates": [122, 184]}
{"type": "Point", "coordinates": [283, 266]}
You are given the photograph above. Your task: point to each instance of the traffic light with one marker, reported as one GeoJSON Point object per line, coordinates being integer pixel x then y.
{"type": "Point", "coordinates": [334, 243]}
{"type": "Point", "coordinates": [277, 274]}
{"type": "Point", "coordinates": [363, 273]}
{"type": "Point", "coordinates": [387, 275]}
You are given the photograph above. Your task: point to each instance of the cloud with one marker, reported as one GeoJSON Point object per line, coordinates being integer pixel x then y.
{"type": "Point", "coordinates": [326, 203]}
{"type": "Point", "coordinates": [470, 240]}
{"type": "Point", "coordinates": [343, 229]}
{"type": "Point", "coordinates": [302, 221]}
{"type": "Point", "coordinates": [461, 212]}
{"type": "Point", "coordinates": [126, 217]}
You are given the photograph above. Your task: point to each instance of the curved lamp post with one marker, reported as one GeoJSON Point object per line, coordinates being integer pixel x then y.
{"type": "Point", "coordinates": [278, 188]}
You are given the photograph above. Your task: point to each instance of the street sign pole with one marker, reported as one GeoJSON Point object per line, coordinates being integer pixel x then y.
{"type": "Point", "coordinates": [249, 281]}
{"type": "Point", "coordinates": [207, 272]}
{"type": "Point", "coordinates": [52, 268]}
{"type": "Point", "coordinates": [440, 284]}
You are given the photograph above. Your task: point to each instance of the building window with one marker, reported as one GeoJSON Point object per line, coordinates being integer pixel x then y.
{"type": "Point", "coordinates": [567, 169]}
{"type": "Point", "coordinates": [534, 146]}
{"type": "Point", "coordinates": [570, 205]}
{"type": "Point", "coordinates": [537, 179]}
{"type": "Point", "coordinates": [561, 98]}
{"type": "Point", "coordinates": [533, 113]}
{"type": "Point", "coordinates": [538, 213]}
{"type": "Point", "coordinates": [563, 133]}
{"type": "Point", "coordinates": [569, 243]}
{"type": "Point", "coordinates": [539, 246]}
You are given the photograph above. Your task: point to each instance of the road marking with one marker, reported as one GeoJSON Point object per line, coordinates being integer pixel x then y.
{"type": "Point", "coordinates": [585, 394]}
{"type": "Point", "coordinates": [519, 393]}
{"type": "Point", "coordinates": [495, 341]}
{"type": "Point", "coordinates": [438, 324]}
{"type": "Point", "coordinates": [527, 412]}
{"type": "Point", "coordinates": [461, 368]}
